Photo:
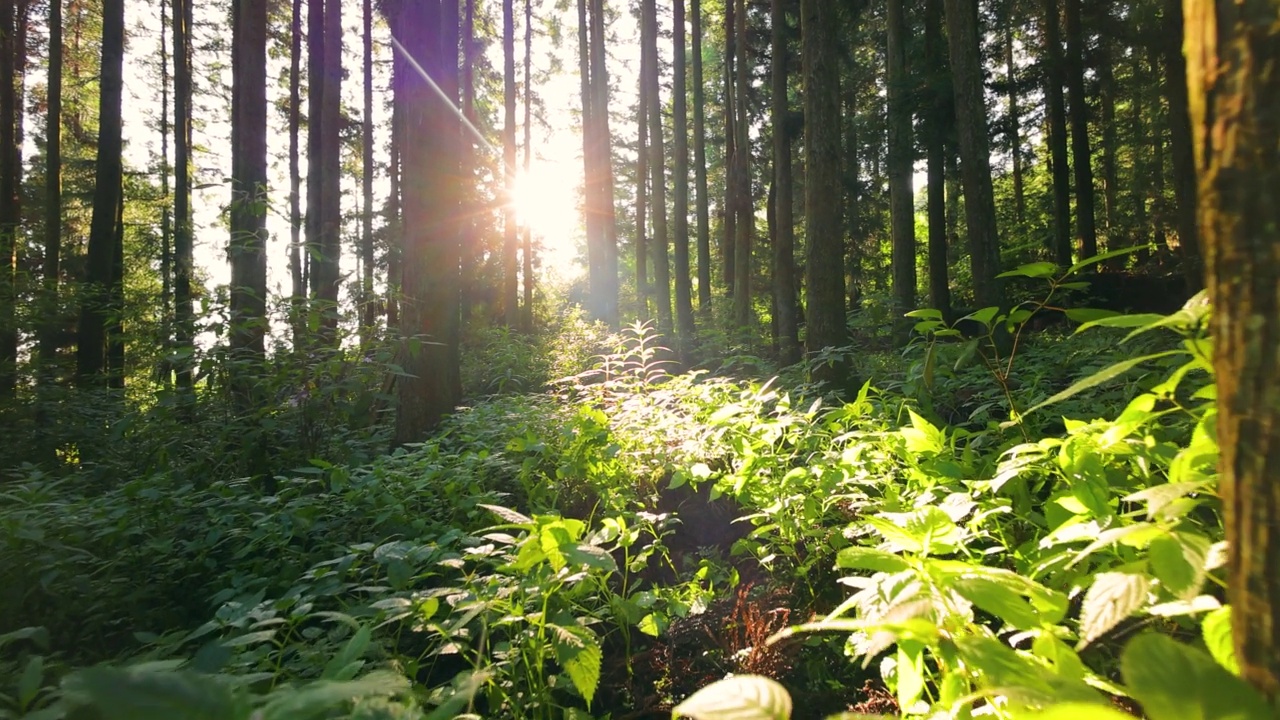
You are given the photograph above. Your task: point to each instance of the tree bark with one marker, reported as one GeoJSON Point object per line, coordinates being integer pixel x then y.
{"type": "Point", "coordinates": [298, 295]}
{"type": "Point", "coordinates": [642, 181]}
{"type": "Point", "coordinates": [680, 185]}
{"type": "Point", "coordinates": [52, 269]}
{"type": "Point", "coordinates": [603, 162]}
{"type": "Point", "coordinates": [728, 253]}
{"type": "Point", "coordinates": [429, 309]}
{"type": "Point", "coordinates": [1110, 142]}
{"type": "Point", "coordinates": [183, 257]}
{"type": "Point", "coordinates": [935, 121]}
{"type": "Point", "coordinates": [1180, 148]}
{"type": "Point", "coordinates": [901, 161]}
{"type": "Point", "coordinates": [1057, 121]}
{"type": "Point", "coordinates": [510, 245]}
{"type": "Point", "coordinates": [249, 185]}
{"type": "Point", "coordinates": [1081, 154]}
{"type": "Point", "coordinates": [744, 204]}
{"type": "Point", "coordinates": [1235, 117]}
{"type": "Point", "coordinates": [657, 176]}
{"type": "Point", "coordinates": [824, 269]}
{"type": "Point", "coordinates": [526, 253]}
{"type": "Point", "coordinates": [1015, 121]}
{"type": "Point", "coordinates": [782, 197]}
{"type": "Point", "coordinates": [368, 305]}
{"type": "Point", "coordinates": [700, 161]}
{"type": "Point", "coordinates": [9, 215]}
{"type": "Point", "coordinates": [971, 126]}
{"type": "Point", "coordinates": [99, 280]}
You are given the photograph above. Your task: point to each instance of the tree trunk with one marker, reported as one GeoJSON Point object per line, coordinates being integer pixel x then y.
{"type": "Point", "coordinates": [602, 160]}
{"type": "Point", "coordinates": [971, 126]}
{"type": "Point", "coordinates": [642, 182]}
{"type": "Point", "coordinates": [115, 327]}
{"type": "Point", "coordinates": [1180, 147]}
{"type": "Point", "coordinates": [1057, 120]}
{"type": "Point", "coordinates": [935, 122]}
{"type": "Point", "coordinates": [526, 254]}
{"type": "Point", "coordinates": [471, 248]}
{"type": "Point", "coordinates": [728, 253]}
{"type": "Point", "coordinates": [395, 219]}
{"type": "Point", "coordinates": [1015, 126]}
{"type": "Point", "coordinates": [1081, 155]}
{"type": "Point", "coordinates": [700, 162]}
{"type": "Point", "coordinates": [824, 313]}
{"type": "Point", "coordinates": [1235, 106]}
{"type": "Point", "coordinates": [330, 165]}
{"type": "Point", "coordinates": [510, 251]}
{"type": "Point", "coordinates": [680, 185]}
{"type": "Point", "coordinates": [298, 295]}
{"type": "Point", "coordinates": [9, 215]}
{"type": "Point", "coordinates": [657, 176]}
{"type": "Point", "coordinates": [183, 257]}
{"type": "Point", "coordinates": [315, 93]}
{"type": "Point", "coordinates": [901, 161]}
{"type": "Point", "coordinates": [429, 311]}
{"type": "Point", "coordinates": [52, 196]}
{"type": "Point", "coordinates": [744, 203]}
{"type": "Point", "coordinates": [368, 306]}
{"type": "Point", "coordinates": [1107, 105]}
{"type": "Point", "coordinates": [249, 185]}
{"type": "Point", "coordinates": [782, 197]}
{"type": "Point", "coordinates": [99, 280]}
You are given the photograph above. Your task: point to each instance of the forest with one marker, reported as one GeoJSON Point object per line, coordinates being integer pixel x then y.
{"type": "Point", "coordinates": [626, 359]}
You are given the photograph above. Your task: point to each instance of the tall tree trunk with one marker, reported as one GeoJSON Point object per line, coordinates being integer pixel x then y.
{"type": "Point", "coordinates": [824, 269]}
{"type": "Point", "coordinates": [526, 253]}
{"type": "Point", "coordinates": [728, 253]}
{"type": "Point", "coordinates": [1159, 207]}
{"type": "Point", "coordinates": [901, 160]}
{"type": "Point", "coordinates": [330, 166]}
{"type": "Point", "coordinates": [510, 252]}
{"type": "Point", "coordinates": [471, 249]}
{"type": "Point", "coordinates": [743, 314]}
{"type": "Point", "coordinates": [1180, 147]}
{"type": "Point", "coordinates": [249, 184]}
{"type": "Point", "coordinates": [680, 184]}
{"type": "Point", "coordinates": [368, 306]}
{"type": "Point", "coordinates": [782, 197]}
{"type": "Point", "coordinates": [1139, 188]}
{"type": "Point", "coordinates": [432, 386]}
{"type": "Point", "coordinates": [1232, 50]}
{"type": "Point", "coordinates": [1015, 121]}
{"type": "Point", "coordinates": [1055, 72]}
{"type": "Point", "coordinates": [642, 182]}
{"type": "Point", "coordinates": [935, 122]}
{"type": "Point", "coordinates": [657, 176]}
{"type": "Point", "coordinates": [591, 219]}
{"type": "Point", "coordinates": [1107, 106]}
{"type": "Point", "coordinates": [395, 219]}
{"type": "Point", "coordinates": [183, 257]}
{"type": "Point", "coordinates": [115, 303]}
{"type": "Point", "coordinates": [9, 215]}
{"type": "Point", "coordinates": [700, 161]}
{"type": "Point", "coordinates": [52, 195]}
{"type": "Point", "coordinates": [298, 295]}
{"type": "Point", "coordinates": [99, 280]}
{"type": "Point", "coordinates": [603, 163]}
{"type": "Point", "coordinates": [971, 126]}
{"type": "Point", "coordinates": [1081, 154]}
{"type": "Point", "coordinates": [315, 147]}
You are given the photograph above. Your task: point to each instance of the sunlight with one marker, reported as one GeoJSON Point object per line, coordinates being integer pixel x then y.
{"type": "Point", "coordinates": [547, 198]}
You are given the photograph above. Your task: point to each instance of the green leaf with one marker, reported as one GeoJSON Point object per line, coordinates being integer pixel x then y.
{"type": "Point", "coordinates": [998, 600]}
{"type": "Point", "coordinates": [1100, 377]}
{"type": "Point", "coordinates": [1178, 560]}
{"type": "Point", "coordinates": [318, 698]}
{"type": "Point", "coordinates": [1101, 258]}
{"type": "Point", "coordinates": [508, 514]}
{"type": "Point", "coordinates": [346, 663]}
{"type": "Point", "coordinates": [1032, 270]}
{"type": "Point", "coordinates": [1086, 315]}
{"type": "Point", "coordinates": [1110, 599]}
{"type": "Point", "coordinates": [743, 697]}
{"type": "Point", "coordinates": [1173, 681]}
{"type": "Point", "coordinates": [911, 677]}
{"type": "Point", "coordinates": [864, 558]}
{"type": "Point", "coordinates": [1217, 637]}
{"type": "Point", "coordinates": [578, 652]}
{"type": "Point", "coordinates": [29, 681]}
{"type": "Point", "coordinates": [1080, 711]}
{"type": "Point", "coordinates": [140, 694]}
{"type": "Point", "coordinates": [983, 316]}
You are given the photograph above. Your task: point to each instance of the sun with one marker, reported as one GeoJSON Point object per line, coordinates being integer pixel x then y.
{"type": "Point", "coordinates": [547, 199]}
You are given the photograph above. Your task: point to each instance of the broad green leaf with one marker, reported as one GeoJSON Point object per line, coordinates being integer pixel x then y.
{"type": "Point", "coordinates": [925, 314]}
{"type": "Point", "coordinates": [1101, 257]}
{"type": "Point", "coordinates": [508, 514]}
{"type": "Point", "coordinates": [911, 677]}
{"type": "Point", "coordinates": [345, 665]}
{"type": "Point", "coordinates": [29, 681]}
{"type": "Point", "coordinates": [1111, 598]}
{"type": "Point", "coordinates": [999, 600]}
{"type": "Point", "coordinates": [1173, 681]}
{"type": "Point", "coordinates": [743, 697]}
{"type": "Point", "coordinates": [1217, 637]}
{"type": "Point", "coordinates": [1100, 377]}
{"type": "Point", "coordinates": [318, 698]}
{"type": "Point", "coordinates": [983, 316]}
{"type": "Point", "coordinates": [578, 652]}
{"type": "Point", "coordinates": [138, 694]}
{"type": "Point", "coordinates": [1081, 711]}
{"type": "Point", "coordinates": [1178, 560]}
{"type": "Point", "coordinates": [1139, 320]}
{"type": "Point", "coordinates": [1084, 315]}
{"type": "Point", "coordinates": [464, 690]}
{"type": "Point", "coordinates": [1032, 270]}
{"type": "Point", "coordinates": [863, 558]}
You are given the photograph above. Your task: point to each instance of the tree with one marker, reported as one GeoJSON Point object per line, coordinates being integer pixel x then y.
{"type": "Point", "coordinates": [324, 166]}
{"type": "Point", "coordinates": [1054, 79]}
{"type": "Point", "coordinates": [784, 288]}
{"type": "Point", "coordinates": [975, 154]}
{"type": "Point", "coordinates": [824, 266]}
{"type": "Point", "coordinates": [510, 262]}
{"type": "Point", "coordinates": [657, 176]}
{"type": "Point", "coordinates": [52, 269]}
{"type": "Point", "coordinates": [249, 181]}
{"type": "Point", "coordinates": [183, 257]}
{"type": "Point", "coordinates": [432, 385]}
{"type": "Point", "coordinates": [642, 183]}
{"type": "Point", "coordinates": [1081, 153]}
{"type": "Point", "coordinates": [1180, 147]}
{"type": "Point", "coordinates": [700, 161]}
{"type": "Point", "coordinates": [1235, 119]}
{"type": "Point", "coordinates": [729, 220]}
{"type": "Point", "coordinates": [99, 278]}
{"type": "Point", "coordinates": [297, 297]}
{"type": "Point", "coordinates": [901, 159]}
{"type": "Point", "coordinates": [526, 316]}
{"type": "Point", "coordinates": [740, 169]}
{"type": "Point", "coordinates": [368, 314]}
{"type": "Point", "coordinates": [935, 123]}
{"type": "Point", "coordinates": [1014, 124]}
{"type": "Point", "coordinates": [9, 214]}
{"type": "Point", "coordinates": [602, 162]}
{"type": "Point", "coordinates": [680, 172]}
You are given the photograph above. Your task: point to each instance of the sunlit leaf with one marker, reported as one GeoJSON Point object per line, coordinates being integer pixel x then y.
{"type": "Point", "coordinates": [1110, 599]}
{"type": "Point", "coordinates": [743, 697]}
{"type": "Point", "coordinates": [578, 652]}
{"type": "Point", "coordinates": [1173, 681]}
{"type": "Point", "coordinates": [1216, 629]}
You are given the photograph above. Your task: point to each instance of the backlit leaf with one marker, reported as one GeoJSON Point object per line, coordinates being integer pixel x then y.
{"type": "Point", "coordinates": [744, 697]}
